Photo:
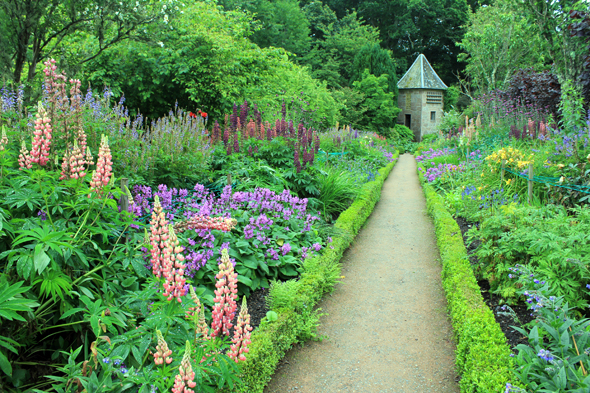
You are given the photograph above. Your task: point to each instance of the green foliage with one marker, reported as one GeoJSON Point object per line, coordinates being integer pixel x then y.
{"type": "Point", "coordinates": [498, 41]}
{"type": "Point", "coordinates": [483, 359]}
{"type": "Point", "coordinates": [36, 29]}
{"type": "Point", "coordinates": [550, 241]}
{"type": "Point", "coordinates": [378, 61]}
{"type": "Point", "coordinates": [451, 97]}
{"type": "Point", "coordinates": [411, 27]}
{"type": "Point", "coordinates": [353, 112]}
{"type": "Point", "coordinates": [379, 108]}
{"type": "Point", "coordinates": [208, 63]}
{"type": "Point", "coordinates": [451, 121]}
{"type": "Point", "coordinates": [283, 25]}
{"type": "Point", "coordinates": [553, 355]}
{"type": "Point", "coordinates": [337, 190]}
{"type": "Point", "coordinates": [571, 108]}
{"type": "Point", "coordinates": [331, 58]}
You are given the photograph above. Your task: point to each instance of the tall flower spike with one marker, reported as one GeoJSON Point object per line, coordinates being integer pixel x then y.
{"type": "Point", "coordinates": [162, 352]}
{"type": "Point", "coordinates": [185, 379]}
{"type": "Point", "coordinates": [241, 338]}
{"type": "Point", "coordinates": [89, 158]}
{"type": "Point", "coordinates": [104, 166]}
{"type": "Point", "coordinates": [193, 312]}
{"type": "Point", "coordinates": [42, 137]}
{"type": "Point", "coordinates": [202, 327]}
{"type": "Point", "coordinates": [76, 163]}
{"type": "Point", "coordinates": [226, 294]}
{"type": "Point", "coordinates": [24, 158]}
{"type": "Point", "coordinates": [4, 139]}
{"type": "Point", "coordinates": [174, 267]}
{"type": "Point", "coordinates": [159, 237]}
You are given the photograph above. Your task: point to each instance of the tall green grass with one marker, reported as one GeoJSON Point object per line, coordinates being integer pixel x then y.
{"type": "Point", "coordinates": [338, 189]}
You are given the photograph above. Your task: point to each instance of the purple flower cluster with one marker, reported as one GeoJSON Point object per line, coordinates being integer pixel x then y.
{"type": "Point", "coordinates": [430, 154]}
{"type": "Point", "coordinates": [265, 209]}
{"type": "Point", "coordinates": [436, 172]}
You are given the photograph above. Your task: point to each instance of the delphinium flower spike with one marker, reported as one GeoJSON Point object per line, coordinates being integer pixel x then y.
{"type": "Point", "coordinates": [241, 338]}
{"type": "Point", "coordinates": [185, 379]}
{"type": "Point", "coordinates": [162, 352]}
{"type": "Point", "coordinates": [226, 293]}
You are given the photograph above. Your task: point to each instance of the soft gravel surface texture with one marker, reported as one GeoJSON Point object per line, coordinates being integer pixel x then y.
{"type": "Point", "coordinates": [387, 327]}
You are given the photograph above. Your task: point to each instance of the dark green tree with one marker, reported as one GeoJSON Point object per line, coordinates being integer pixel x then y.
{"type": "Point", "coordinates": [411, 27]}
{"type": "Point", "coordinates": [339, 40]}
{"type": "Point", "coordinates": [377, 61]}
{"type": "Point", "coordinates": [34, 30]}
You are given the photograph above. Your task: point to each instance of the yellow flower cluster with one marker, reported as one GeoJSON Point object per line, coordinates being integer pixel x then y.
{"type": "Point", "coordinates": [512, 157]}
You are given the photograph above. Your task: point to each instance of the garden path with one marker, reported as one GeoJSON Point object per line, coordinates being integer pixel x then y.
{"type": "Point", "coordinates": [387, 324]}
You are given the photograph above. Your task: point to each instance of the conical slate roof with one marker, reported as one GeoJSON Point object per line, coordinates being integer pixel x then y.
{"type": "Point", "coordinates": [421, 76]}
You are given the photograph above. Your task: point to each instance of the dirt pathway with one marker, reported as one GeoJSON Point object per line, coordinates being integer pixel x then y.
{"type": "Point", "coordinates": [387, 326]}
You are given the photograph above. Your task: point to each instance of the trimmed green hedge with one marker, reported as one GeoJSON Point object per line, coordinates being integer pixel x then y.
{"type": "Point", "coordinates": [272, 339]}
{"type": "Point", "coordinates": [483, 355]}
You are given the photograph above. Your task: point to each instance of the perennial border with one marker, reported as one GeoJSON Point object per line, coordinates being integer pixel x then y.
{"type": "Point", "coordinates": [272, 339]}
{"type": "Point", "coordinates": [483, 356]}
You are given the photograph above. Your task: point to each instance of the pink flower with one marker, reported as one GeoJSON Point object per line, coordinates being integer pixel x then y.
{"type": "Point", "coordinates": [173, 268]}
{"type": "Point", "coordinates": [226, 293]}
{"type": "Point", "coordinates": [104, 166]}
{"type": "Point", "coordinates": [76, 163]}
{"type": "Point", "coordinates": [241, 338]}
{"type": "Point", "coordinates": [162, 352]}
{"type": "Point", "coordinates": [158, 238]}
{"type": "Point", "coordinates": [24, 158]}
{"type": "Point", "coordinates": [4, 139]}
{"type": "Point", "coordinates": [42, 138]}
{"type": "Point", "coordinates": [185, 379]}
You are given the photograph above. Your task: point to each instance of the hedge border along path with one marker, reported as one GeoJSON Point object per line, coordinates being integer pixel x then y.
{"type": "Point", "coordinates": [272, 339]}
{"type": "Point", "coordinates": [483, 355]}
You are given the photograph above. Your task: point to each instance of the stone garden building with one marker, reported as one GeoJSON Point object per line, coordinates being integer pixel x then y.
{"type": "Point", "coordinates": [420, 98]}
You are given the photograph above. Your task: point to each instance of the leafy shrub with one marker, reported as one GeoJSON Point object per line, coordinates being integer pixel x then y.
{"type": "Point", "coordinates": [380, 111]}
{"type": "Point", "coordinates": [547, 241]}
{"type": "Point", "coordinates": [557, 352]}
{"type": "Point", "coordinates": [538, 89]}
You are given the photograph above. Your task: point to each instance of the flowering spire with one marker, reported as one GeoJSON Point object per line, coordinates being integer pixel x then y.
{"type": "Point", "coordinates": [159, 237]}
{"type": "Point", "coordinates": [42, 138]}
{"type": "Point", "coordinates": [174, 268]}
{"type": "Point", "coordinates": [193, 312]}
{"type": "Point", "coordinates": [162, 352]}
{"type": "Point", "coordinates": [202, 327]}
{"type": "Point", "coordinates": [24, 158]}
{"type": "Point", "coordinates": [76, 163]}
{"type": "Point", "coordinates": [226, 293]}
{"type": "Point", "coordinates": [89, 158]}
{"type": "Point", "coordinates": [241, 338]}
{"type": "Point", "coordinates": [3, 140]}
{"type": "Point", "coordinates": [185, 379]}
{"type": "Point", "coordinates": [104, 165]}
{"type": "Point", "coordinates": [65, 166]}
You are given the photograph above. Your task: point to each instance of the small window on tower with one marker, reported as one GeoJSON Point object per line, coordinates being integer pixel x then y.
{"type": "Point", "coordinates": [433, 116]}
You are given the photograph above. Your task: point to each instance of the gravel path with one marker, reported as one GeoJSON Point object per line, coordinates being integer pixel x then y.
{"type": "Point", "coordinates": [387, 325]}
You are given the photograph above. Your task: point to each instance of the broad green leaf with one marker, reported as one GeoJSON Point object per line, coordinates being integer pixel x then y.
{"type": "Point", "coordinates": [41, 259]}
{"type": "Point", "coordinates": [5, 364]}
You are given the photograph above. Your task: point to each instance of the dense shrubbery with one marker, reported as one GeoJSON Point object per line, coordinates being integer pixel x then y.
{"type": "Point", "coordinates": [531, 249]}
